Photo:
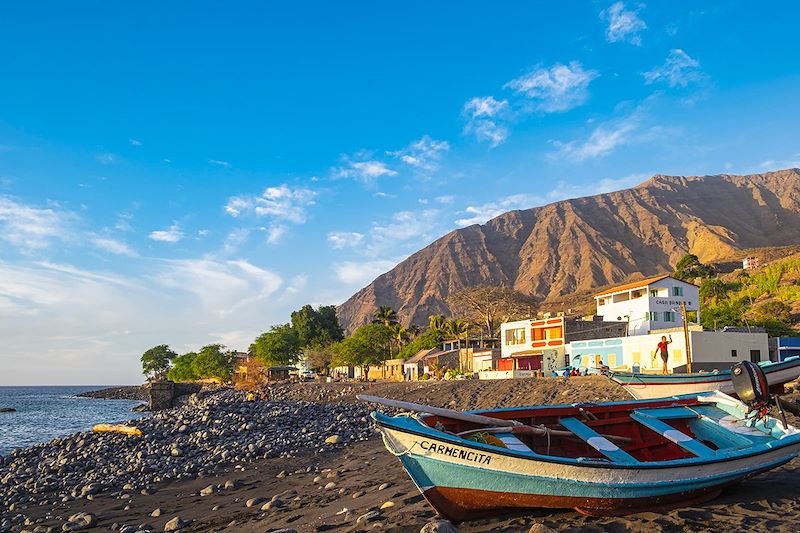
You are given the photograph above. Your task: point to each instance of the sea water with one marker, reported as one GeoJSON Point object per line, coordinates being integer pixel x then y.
{"type": "Point", "coordinates": [43, 413]}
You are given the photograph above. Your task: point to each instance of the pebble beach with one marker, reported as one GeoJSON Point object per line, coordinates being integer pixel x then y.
{"type": "Point", "coordinates": [308, 459]}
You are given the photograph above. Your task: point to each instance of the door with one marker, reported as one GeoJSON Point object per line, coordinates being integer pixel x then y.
{"type": "Point", "coordinates": [755, 356]}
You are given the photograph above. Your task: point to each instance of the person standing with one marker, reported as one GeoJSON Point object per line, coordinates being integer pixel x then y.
{"type": "Point", "coordinates": [662, 349]}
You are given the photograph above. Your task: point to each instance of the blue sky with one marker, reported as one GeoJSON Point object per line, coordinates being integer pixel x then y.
{"type": "Point", "coordinates": [190, 172]}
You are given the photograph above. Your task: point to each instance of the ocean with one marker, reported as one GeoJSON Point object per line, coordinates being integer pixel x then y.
{"type": "Point", "coordinates": [44, 413]}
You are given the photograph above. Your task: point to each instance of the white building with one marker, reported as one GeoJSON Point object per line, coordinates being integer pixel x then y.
{"type": "Point", "coordinates": [649, 304]}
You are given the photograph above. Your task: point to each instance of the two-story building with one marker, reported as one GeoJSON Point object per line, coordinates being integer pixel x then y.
{"type": "Point", "coordinates": [649, 304]}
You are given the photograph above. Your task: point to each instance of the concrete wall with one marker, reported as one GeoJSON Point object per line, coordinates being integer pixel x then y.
{"type": "Point", "coordinates": [620, 305]}
{"type": "Point", "coordinates": [710, 350]}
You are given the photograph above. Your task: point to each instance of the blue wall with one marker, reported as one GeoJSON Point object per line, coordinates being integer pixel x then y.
{"type": "Point", "coordinates": [788, 347]}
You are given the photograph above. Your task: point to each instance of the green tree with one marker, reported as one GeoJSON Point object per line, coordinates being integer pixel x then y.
{"type": "Point", "coordinates": [156, 361]}
{"type": "Point", "coordinates": [182, 368]}
{"type": "Point", "coordinates": [212, 362]}
{"type": "Point", "coordinates": [385, 315]}
{"type": "Point", "coordinates": [436, 322]}
{"type": "Point", "coordinates": [316, 327]}
{"type": "Point", "coordinates": [689, 267]}
{"type": "Point", "coordinates": [457, 328]}
{"type": "Point", "coordinates": [280, 345]}
{"type": "Point", "coordinates": [770, 310]}
{"type": "Point", "coordinates": [712, 290]}
{"type": "Point", "coordinates": [368, 345]}
{"type": "Point", "coordinates": [430, 339]}
{"type": "Point", "coordinates": [319, 358]}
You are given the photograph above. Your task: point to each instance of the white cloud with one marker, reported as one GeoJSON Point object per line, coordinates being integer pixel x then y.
{"type": "Point", "coordinates": [603, 140]}
{"type": "Point", "coordinates": [275, 234]}
{"type": "Point", "coordinates": [279, 203]}
{"type": "Point", "coordinates": [484, 119]}
{"type": "Point", "coordinates": [123, 222]}
{"type": "Point", "coordinates": [623, 24]}
{"type": "Point", "coordinates": [679, 70]}
{"type": "Point", "coordinates": [106, 159]}
{"type": "Point", "coordinates": [558, 88]}
{"type": "Point", "coordinates": [479, 214]}
{"type": "Point", "coordinates": [172, 234]}
{"type": "Point", "coordinates": [345, 239]}
{"type": "Point", "coordinates": [219, 163]}
{"type": "Point", "coordinates": [135, 142]}
{"type": "Point", "coordinates": [360, 273]}
{"type": "Point", "coordinates": [221, 286]}
{"type": "Point", "coordinates": [424, 154]}
{"type": "Point", "coordinates": [234, 240]}
{"type": "Point", "coordinates": [364, 171]}
{"type": "Point", "coordinates": [113, 246]}
{"type": "Point", "coordinates": [780, 164]}
{"type": "Point", "coordinates": [30, 227]}
{"type": "Point", "coordinates": [297, 284]}
{"type": "Point", "coordinates": [446, 199]}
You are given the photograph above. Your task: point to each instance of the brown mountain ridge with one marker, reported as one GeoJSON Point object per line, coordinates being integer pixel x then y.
{"type": "Point", "coordinates": [584, 243]}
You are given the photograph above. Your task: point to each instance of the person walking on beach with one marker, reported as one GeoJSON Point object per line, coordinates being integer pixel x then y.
{"type": "Point", "coordinates": [662, 349]}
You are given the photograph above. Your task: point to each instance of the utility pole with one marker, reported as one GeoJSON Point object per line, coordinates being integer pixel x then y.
{"type": "Point", "coordinates": [686, 337]}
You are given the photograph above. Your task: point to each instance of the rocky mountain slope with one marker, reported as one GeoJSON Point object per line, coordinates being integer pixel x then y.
{"type": "Point", "coordinates": [585, 243]}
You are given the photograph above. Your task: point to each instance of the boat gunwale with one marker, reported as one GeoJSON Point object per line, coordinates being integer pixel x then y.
{"type": "Point", "coordinates": [704, 377]}
{"type": "Point", "coordinates": [384, 421]}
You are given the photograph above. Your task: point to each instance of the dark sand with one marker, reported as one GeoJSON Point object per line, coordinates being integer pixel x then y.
{"type": "Point", "coordinates": [770, 502]}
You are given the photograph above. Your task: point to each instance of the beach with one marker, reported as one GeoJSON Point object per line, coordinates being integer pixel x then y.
{"type": "Point", "coordinates": [347, 484]}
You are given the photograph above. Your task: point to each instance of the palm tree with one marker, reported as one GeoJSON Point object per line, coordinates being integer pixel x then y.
{"type": "Point", "coordinates": [385, 315]}
{"type": "Point", "coordinates": [413, 331]}
{"type": "Point", "coordinates": [457, 328]}
{"type": "Point", "coordinates": [436, 322]}
{"type": "Point", "coordinates": [401, 336]}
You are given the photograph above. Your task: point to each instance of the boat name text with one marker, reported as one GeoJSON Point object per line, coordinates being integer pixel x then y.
{"type": "Point", "coordinates": [467, 455]}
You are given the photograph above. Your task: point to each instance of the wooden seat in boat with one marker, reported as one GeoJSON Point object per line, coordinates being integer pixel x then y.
{"type": "Point", "coordinates": [597, 441]}
{"type": "Point", "coordinates": [652, 418]}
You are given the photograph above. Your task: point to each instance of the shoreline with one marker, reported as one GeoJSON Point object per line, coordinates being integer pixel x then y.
{"type": "Point", "coordinates": [124, 392]}
{"type": "Point", "coordinates": [310, 485]}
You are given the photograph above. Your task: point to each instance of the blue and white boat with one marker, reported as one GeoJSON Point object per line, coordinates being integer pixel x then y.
{"type": "Point", "coordinates": [598, 458]}
{"type": "Point", "coordinates": [644, 386]}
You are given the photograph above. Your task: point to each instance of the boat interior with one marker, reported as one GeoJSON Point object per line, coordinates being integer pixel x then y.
{"type": "Point", "coordinates": [656, 431]}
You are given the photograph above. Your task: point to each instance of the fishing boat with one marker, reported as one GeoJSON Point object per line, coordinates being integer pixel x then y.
{"type": "Point", "coordinates": [646, 386]}
{"type": "Point", "coordinates": [602, 459]}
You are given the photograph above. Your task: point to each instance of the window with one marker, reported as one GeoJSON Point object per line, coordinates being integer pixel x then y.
{"type": "Point", "coordinates": [651, 316]}
{"type": "Point", "coordinates": [542, 334]}
{"type": "Point", "coordinates": [755, 356]}
{"type": "Point", "coordinates": [653, 293]}
{"type": "Point", "coordinates": [669, 316]}
{"type": "Point", "coordinates": [601, 301]}
{"type": "Point", "coordinates": [636, 294]}
{"type": "Point", "coordinates": [515, 336]}
{"type": "Point", "coordinates": [733, 353]}
{"type": "Point", "coordinates": [677, 291]}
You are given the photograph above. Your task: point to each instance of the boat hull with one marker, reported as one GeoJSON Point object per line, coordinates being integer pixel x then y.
{"type": "Point", "coordinates": [651, 386]}
{"type": "Point", "coordinates": [462, 482]}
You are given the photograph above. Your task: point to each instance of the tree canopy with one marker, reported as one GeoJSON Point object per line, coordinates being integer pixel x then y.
{"type": "Point", "coordinates": [280, 345]}
{"type": "Point", "coordinates": [430, 339]}
{"type": "Point", "coordinates": [385, 315]}
{"type": "Point", "coordinates": [182, 368]}
{"type": "Point", "coordinates": [316, 327]}
{"type": "Point", "coordinates": [368, 345]}
{"type": "Point", "coordinates": [156, 360]}
{"type": "Point", "coordinates": [689, 267]}
{"type": "Point", "coordinates": [489, 305]}
{"type": "Point", "coordinates": [211, 362]}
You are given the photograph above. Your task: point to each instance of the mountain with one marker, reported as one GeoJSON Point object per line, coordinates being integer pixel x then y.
{"type": "Point", "coordinates": [582, 244]}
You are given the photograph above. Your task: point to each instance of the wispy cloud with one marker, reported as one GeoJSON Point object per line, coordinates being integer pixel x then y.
{"type": "Point", "coordinates": [29, 228]}
{"type": "Point", "coordinates": [779, 164]}
{"type": "Point", "coordinates": [275, 234]}
{"type": "Point", "coordinates": [424, 155]}
{"type": "Point", "coordinates": [234, 240]}
{"type": "Point", "coordinates": [446, 199]}
{"type": "Point", "coordinates": [106, 159]}
{"type": "Point", "coordinates": [361, 273]}
{"type": "Point", "coordinates": [403, 226]}
{"type": "Point", "coordinates": [172, 234]}
{"type": "Point", "coordinates": [345, 239]}
{"type": "Point", "coordinates": [679, 70]}
{"type": "Point", "coordinates": [135, 142]}
{"type": "Point", "coordinates": [366, 171]}
{"type": "Point", "coordinates": [603, 140]}
{"type": "Point", "coordinates": [623, 24]}
{"type": "Point", "coordinates": [481, 213]}
{"type": "Point", "coordinates": [484, 119]}
{"type": "Point", "coordinates": [113, 246]}
{"type": "Point", "coordinates": [281, 203]}
{"type": "Point", "coordinates": [554, 89]}
{"type": "Point", "coordinates": [219, 163]}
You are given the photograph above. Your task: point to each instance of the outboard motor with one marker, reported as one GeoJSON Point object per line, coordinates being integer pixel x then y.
{"type": "Point", "coordinates": [750, 384]}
